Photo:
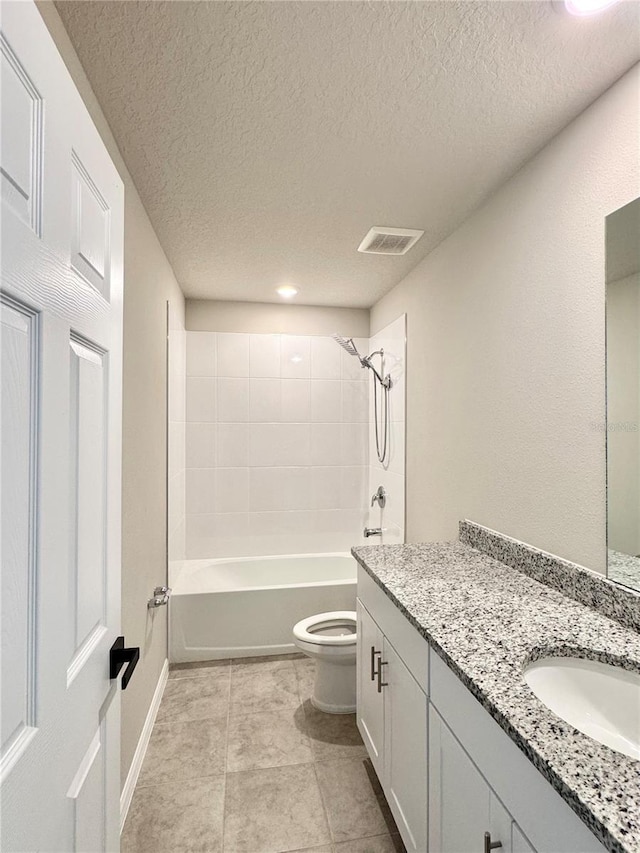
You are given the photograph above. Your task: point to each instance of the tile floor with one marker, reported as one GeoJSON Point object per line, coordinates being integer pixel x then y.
{"type": "Point", "coordinates": [240, 762]}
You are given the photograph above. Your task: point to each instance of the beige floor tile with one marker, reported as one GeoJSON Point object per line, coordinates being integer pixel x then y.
{"type": "Point", "coordinates": [351, 800]}
{"type": "Point", "coordinates": [197, 669]}
{"type": "Point", "coordinates": [274, 810]}
{"type": "Point", "coordinates": [324, 848]}
{"type": "Point", "coordinates": [185, 751]}
{"type": "Point", "coordinates": [268, 739]}
{"type": "Point", "coordinates": [195, 698]}
{"type": "Point", "coordinates": [306, 672]}
{"type": "Point", "coordinates": [181, 817]}
{"type": "Point", "coordinates": [268, 688]}
{"type": "Point", "coordinates": [333, 735]}
{"type": "Point", "coordinates": [264, 661]}
{"type": "Point", "coordinates": [377, 844]}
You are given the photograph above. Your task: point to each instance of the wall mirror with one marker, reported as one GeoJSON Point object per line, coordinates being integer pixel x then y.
{"type": "Point", "coordinates": [623, 394]}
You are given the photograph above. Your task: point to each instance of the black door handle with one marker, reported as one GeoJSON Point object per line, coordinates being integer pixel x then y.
{"type": "Point", "coordinates": [118, 656]}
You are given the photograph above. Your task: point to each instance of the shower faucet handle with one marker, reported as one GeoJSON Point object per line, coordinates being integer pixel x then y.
{"type": "Point", "coordinates": [380, 497]}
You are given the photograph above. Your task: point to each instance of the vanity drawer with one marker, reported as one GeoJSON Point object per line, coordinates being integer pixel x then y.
{"type": "Point", "coordinates": [411, 646]}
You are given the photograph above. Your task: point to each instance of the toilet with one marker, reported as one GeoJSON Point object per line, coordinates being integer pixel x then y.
{"type": "Point", "coordinates": [330, 639]}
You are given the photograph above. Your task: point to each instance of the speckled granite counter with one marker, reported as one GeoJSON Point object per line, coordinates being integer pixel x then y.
{"type": "Point", "coordinates": [487, 621]}
{"type": "Point", "coordinates": [624, 568]}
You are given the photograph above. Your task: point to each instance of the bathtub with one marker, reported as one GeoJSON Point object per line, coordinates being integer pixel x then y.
{"type": "Point", "coordinates": [248, 606]}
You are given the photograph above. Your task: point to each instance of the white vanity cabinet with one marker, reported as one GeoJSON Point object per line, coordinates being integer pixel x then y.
{"type": "Point", "coordinates": [370, 701]}
{"type": "Point", "coordinates": [454, 780]}
{"type": "Point", "coordinates": [392, 710]}
{"type": "Point", "coordinates": [464, 812]}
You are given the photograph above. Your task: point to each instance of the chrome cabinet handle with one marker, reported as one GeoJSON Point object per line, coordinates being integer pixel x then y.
{"type": "Point", "coordinates": [490, 845]}
{"type": "Point", "coordinates": [373, 662]}
{"type": "Point", "coordinates": [381, 683]}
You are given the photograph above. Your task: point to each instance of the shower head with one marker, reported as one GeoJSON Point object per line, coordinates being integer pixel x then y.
{"type": "Point", "coordinates": [347, 344]}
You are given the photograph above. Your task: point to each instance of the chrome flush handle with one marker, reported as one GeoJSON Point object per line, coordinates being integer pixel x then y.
{"type": "Point", "coordinates": [161, 596]}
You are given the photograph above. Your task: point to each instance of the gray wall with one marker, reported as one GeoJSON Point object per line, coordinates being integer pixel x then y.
{"type": "Point", "coordinates": [263, 318]}
{"type": "Point", "coordinates": [506, 346]}
{"type": "Point", "coordinates": [148, 284]}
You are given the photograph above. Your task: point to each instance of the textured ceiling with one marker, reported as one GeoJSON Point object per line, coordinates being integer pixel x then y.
{"type": "Point", "coordinates": [266, 138]}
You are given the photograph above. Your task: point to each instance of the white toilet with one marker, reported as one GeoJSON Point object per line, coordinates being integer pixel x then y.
{"type": "Point", "coordinates": [330, 639]}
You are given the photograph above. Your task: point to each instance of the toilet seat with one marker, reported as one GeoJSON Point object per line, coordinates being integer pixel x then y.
{"type": "Point", "coordinates": [309, 630]}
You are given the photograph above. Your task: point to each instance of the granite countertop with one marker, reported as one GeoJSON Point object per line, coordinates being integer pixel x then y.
{"type": "Point", "coordinates": [487, 621]}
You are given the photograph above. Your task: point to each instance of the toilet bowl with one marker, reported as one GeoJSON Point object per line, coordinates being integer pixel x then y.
{"type": "Point", "coordinates": [330, 639]}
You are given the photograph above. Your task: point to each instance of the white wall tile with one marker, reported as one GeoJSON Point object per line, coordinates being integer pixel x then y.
{"type": "Point", "coordinates": [355, 401]}
{"type": "Point", "coordinates": [264, 401]}
{"type": "Point", "coordinates": [233, 400]}
{"type": "Point", "coordinates": [326, 401]}
{"type": "Point", "coordinates": [296, 400]}
{"type": "Point", "coordinates": [326, 445]}
{"type": "Point", "coordinates": [201, 399]}
{"type": "Point", "coordinates": [201, 445]}
{"type": "Point", "coordinates": [295, 357]}
{"type": "Point", "coordinates": [354, 444]}
{"type": "Point", "coordinates": [232, 490]}
{"type": "Point", "coordinates": [200, 494]}
{"type": "Point", "coordinates": [264, 356]}
{"type": "Point", "coordinates": [232, 445]}
{"type": "Point", "coordinates": [325, 358]}
{"type": "Point", "coordinates": [325, 487]}
{"type": "Point", "coordinates": [233, 354]}
{"type": "Point", "coordinates": [201, 353]}
{"type": "Point", "coordinates": [272, 445]}
{"type": "Point", "coordinates": [296, 488]}
{"type": "Point", "coordinates": [276, 489]}
{"type": "Point", "coordinates": [265, 490]}
{"type": "Point", "coordinates": [291, 452]}
{"type": "Point", "coordinates": [353, 488]}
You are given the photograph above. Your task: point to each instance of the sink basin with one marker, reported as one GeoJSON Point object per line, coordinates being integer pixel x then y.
{"type": "Point", "coordinates": [600, 700]}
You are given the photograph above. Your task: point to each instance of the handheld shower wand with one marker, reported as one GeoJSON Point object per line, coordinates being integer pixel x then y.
{"type": "Point", "coordinates": [348, 345]}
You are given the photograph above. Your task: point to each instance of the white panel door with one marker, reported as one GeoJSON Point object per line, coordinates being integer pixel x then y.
{"type": "Point", "coordinates": [369, 701]}
{"type": "Point", "coordinates": [405, 750]}
{"type": "Point", "coordinates": [62, 255]}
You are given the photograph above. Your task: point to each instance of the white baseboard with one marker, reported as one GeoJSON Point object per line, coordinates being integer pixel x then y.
{"type": "Point", "coordinates": [141, 749]}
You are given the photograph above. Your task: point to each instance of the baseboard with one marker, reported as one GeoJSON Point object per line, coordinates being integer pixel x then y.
{"type": "Point", "coordinates": [141, 749]}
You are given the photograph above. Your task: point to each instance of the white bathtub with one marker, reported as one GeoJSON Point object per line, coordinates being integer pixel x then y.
{"type": "Point", "coordinates": [247, 606]}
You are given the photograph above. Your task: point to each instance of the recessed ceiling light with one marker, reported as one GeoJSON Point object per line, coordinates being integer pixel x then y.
{"type": "Point", "coordinates": [582, 8]}
{"type": "Point", "coordinates": [287, 291]}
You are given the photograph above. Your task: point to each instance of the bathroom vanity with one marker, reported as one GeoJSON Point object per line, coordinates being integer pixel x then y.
{"type": "Point", "coordinates": [469, 759]}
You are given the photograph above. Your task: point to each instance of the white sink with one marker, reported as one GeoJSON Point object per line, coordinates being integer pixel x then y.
{"type": "Point", "coordinates": [598, 699]}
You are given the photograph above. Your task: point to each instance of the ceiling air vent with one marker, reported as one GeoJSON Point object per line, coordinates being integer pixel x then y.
{"type": "Point", "coordinates": [389, 241]}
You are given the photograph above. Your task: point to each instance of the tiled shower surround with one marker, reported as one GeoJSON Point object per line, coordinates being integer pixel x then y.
{"type": "Point", "coordinates": [277, 447]}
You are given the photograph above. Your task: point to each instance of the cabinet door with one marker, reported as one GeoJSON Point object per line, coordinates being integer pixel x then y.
{"type": "Point", "coordinates": [459, 797]}
{"type": "Point", "coordinates": [520, 844]}
{"type": "Point", "coordinates": [405, 720]}
{"type": "Point", "coordinates": [370, 703]}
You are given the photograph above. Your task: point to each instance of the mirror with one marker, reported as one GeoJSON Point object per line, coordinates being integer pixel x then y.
{"type": "Point", "coordinates": [623, 394]}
